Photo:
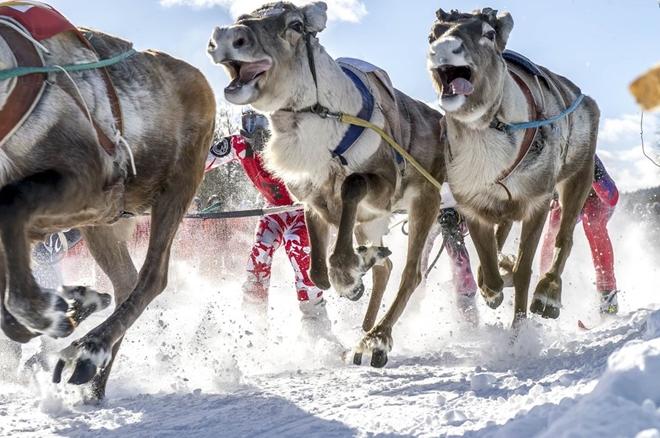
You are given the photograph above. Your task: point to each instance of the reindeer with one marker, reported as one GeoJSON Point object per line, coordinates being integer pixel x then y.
{"type": "Point", "coordinates": [277, 65]}
{"type": "Point", "coordinates": [67, 165]}
{"type": "Point", "coordinates": [499, 173]}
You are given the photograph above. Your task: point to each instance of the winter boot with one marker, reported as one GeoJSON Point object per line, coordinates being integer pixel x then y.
{"type": "Point", "coordinates": [315, 323]}
{"type": "Point", "coordinates": [609, 304]}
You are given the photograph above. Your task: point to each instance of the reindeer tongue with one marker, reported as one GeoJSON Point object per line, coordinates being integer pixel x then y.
{"type": "Point", "coordinates": [249, 70]}
{"type": "Point", "coordinates": [461, 86]}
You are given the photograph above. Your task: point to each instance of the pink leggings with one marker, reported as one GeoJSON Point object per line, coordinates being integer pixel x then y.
{"type": "Point", "coordinates": [595, 215]}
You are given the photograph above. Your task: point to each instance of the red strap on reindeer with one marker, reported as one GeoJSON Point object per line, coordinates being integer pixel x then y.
{"type": "Point", "coordinates": [41, 21]}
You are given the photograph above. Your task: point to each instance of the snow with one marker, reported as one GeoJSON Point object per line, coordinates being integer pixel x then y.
{"type": "Point", "coordinates": [188, 368]}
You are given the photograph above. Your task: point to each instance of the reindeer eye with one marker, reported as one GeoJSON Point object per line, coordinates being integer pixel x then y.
{"type": "Point", "coordinates": [297, 26]}
{"type": "Point", "coordinates": [490, 35]}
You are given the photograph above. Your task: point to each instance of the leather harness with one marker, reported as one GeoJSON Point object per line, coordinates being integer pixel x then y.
{"type": "Point", "coordinates": [530, 133]}
{"type": "Point", "coordinates": [29, 88]}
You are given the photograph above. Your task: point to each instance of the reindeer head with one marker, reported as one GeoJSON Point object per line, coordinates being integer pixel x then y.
{"type": "Point", "coordinates": [465, 59]}
{"type": "Point", "coordinates": [265, 54]}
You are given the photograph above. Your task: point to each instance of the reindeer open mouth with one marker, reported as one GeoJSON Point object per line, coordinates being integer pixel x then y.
{"type": "Point", "coordinates": [455, 80]}
{"type": "Point", "coordinates": [245, 73]}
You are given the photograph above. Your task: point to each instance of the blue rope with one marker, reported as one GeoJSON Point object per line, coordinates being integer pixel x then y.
{"type": "Point", "coordinates": [537, 123]}
{"type": "Point", "coordinates": [22, 71]}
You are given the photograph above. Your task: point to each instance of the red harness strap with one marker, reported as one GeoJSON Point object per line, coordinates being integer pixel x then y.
{"type": "Point", "coordinates": [43, 22]}
{"type": "Point", "coordinates": [28, 88]}
{"type": "Point", "coordinates": [530, 133]}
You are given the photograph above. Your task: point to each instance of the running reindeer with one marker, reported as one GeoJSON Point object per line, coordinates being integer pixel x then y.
{"type": "Point", "coordinates": [69, 158]}
{"type": "Point", "coordinates": [347, 176]}
{"type": "Point", "coordinates": [502, 169]}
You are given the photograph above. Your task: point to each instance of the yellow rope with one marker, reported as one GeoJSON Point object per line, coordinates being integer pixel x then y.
{"type": "Point", "coordinates": [352, 120]}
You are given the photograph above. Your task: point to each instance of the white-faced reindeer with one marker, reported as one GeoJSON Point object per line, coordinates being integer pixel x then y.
{"type": "Point", "coordinates": [501, 170]}
{"type": "Point", "coordinates": [66, 166]}
{"type": "Point", "coordinates": [277, 65]}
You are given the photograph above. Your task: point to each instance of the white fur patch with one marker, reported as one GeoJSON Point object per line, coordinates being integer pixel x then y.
{"type": "Point", "coordinates": [442, 53]}
{"type": "Point", "coordinates": [6, 167]}
{"type": "Point", "coordinates": [305, 154]}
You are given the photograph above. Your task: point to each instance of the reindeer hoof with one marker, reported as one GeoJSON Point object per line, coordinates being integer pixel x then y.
{"type": "Point", "coordinates": [357, 359]}
{"type": "Point", "coordinates": [84, 301]}
{"type": "Point", "coordinates": [15, 331]}
{"type": "Point", "coordinates": [493, 299]}
{"type": "Point", "coordinates": [537, 306]}
{"type": "Point", "coordinates": [551, 312]}
{"type": "Point", "coordinates": [378, 358]}
{"type": "Point", "coordinates": [84, 372]}
{"type": "Point", "coordinates": [545, 308]}
{"type": "Point", "coordinates": [356, 293]}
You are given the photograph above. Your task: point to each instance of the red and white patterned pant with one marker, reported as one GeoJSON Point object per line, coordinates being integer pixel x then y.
{"type": "Point", "coordinates": [273, 231]}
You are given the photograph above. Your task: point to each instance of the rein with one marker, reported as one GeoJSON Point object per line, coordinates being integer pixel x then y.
{"type": "Point", "coordinates": [23, 71]}
{"type": "Point", "coordinates": [324, 112]}
{"type": "Point", "coordinates": [500, 126]}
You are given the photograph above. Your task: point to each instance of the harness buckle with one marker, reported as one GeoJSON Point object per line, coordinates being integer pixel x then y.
{"type": "Point", "coordinates": [319, 110]}
{"type": "Point", "coordinates": [499, 125]}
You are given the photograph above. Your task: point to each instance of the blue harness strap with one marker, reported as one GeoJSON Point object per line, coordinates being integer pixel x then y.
{"type": "Point", "coordinates": [354, 132]}
{"type": "Point", "coordinates": [526, 64]}
{"type": "Point", "coordinates": [522, 61]}
{"type": "Point", "coordinates": [365, 113]}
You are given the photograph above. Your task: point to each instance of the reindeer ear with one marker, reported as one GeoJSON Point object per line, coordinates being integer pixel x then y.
{"type": "Point", "coordinates": [315, 16]}
{"type": "Point", "coordinates": [441, 15]}
{"type": "Point", "coordinates": [504, 27]}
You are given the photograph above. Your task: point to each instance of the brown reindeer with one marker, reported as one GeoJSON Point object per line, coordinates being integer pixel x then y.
{"type": "Point", "coordinates": [498, 173]}
{"type": "Point", "coordinates": [55, 174]}
{"type": "Point", "coordinates": [277, 65]}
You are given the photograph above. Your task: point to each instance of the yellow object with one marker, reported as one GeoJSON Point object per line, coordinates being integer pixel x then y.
{"type": "Point", "coordinates": [352, 120]}
{"type": "Point", "coordinates": [646, 89]}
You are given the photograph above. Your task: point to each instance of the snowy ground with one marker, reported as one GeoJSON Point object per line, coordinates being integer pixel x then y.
{"type": "Point", "coordinates": [185, 368]}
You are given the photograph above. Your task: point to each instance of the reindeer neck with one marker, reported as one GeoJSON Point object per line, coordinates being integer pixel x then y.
{"type": "Point", "coordinates": [302, 144]}
{"type": "Point", "coordinates": [509, 105]}
{"type": "Point", "coordinates": [331, 88]}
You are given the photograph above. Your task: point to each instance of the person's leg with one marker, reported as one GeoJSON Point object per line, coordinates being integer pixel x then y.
{"type": "Point", "coordinates": [453, 228]}
{"type": "Point", "coordinates": [314, 319]}
{"type": "Point", "coordinates": [452, 233]}
{"type": "Point", "coordinates": [596, 217]}
{"type": "Point", "coordinates": [268, 237]}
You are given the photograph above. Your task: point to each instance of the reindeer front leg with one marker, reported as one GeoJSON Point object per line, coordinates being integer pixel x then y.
{"type": "Point", "coordinates": [346, 266]}
{"type": "Point", "coordinates": [380, 275]}
{"type": "Point", "coordinates": [489, 280]}
{"type": "Point", "coordinates": [530, 235]}
{"type": "Point", "coordinates": [421, 216]}
{"type": "Point", "coordinates": [573, 194]}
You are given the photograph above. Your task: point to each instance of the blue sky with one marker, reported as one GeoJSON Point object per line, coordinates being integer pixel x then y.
{"type": "Point", "coordinates": [602, 45]}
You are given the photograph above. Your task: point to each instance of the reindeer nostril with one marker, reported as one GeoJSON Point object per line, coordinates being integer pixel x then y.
{"type": "Point", "coordinates": [212, 46]}
{"type": "Point", "coordinates": [457, 50]}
